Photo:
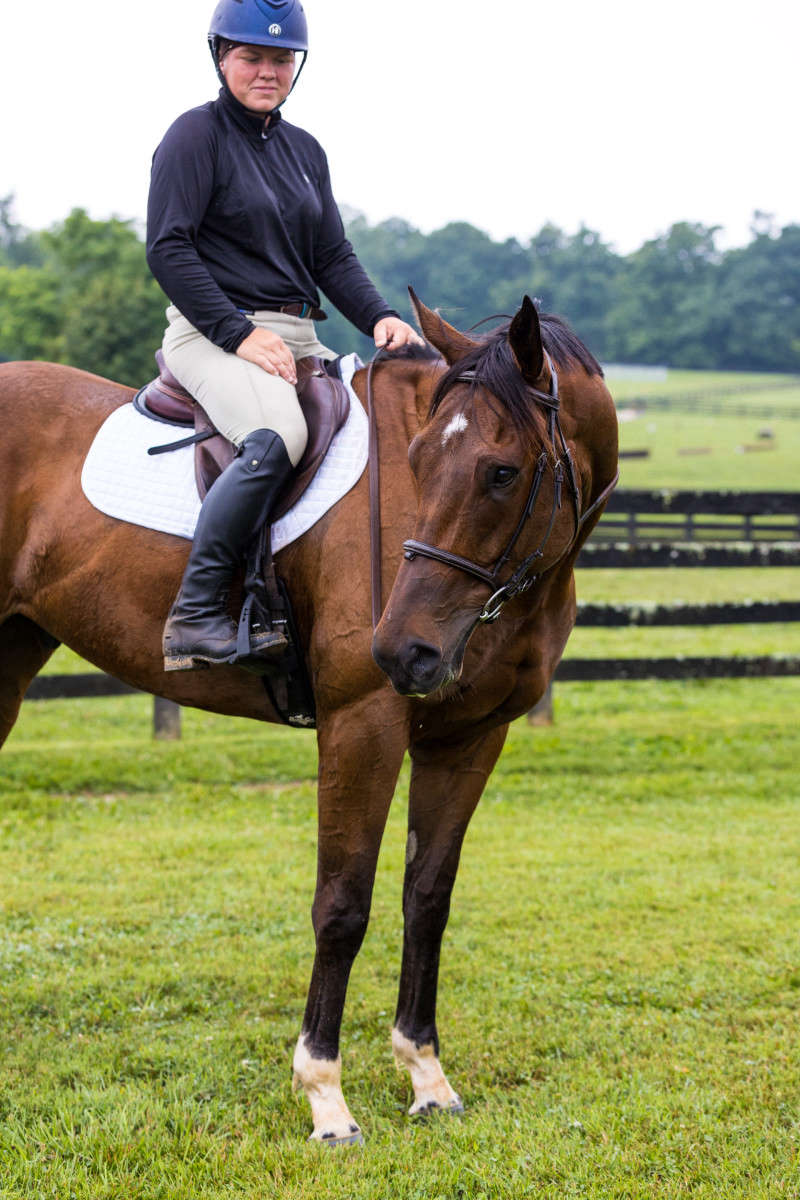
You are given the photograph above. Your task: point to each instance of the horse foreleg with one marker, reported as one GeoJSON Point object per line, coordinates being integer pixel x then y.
{"type": "Point", "coordinates": [24, 649]}
{"type": "Point", "coordinates": [446, 783]}
{"type": "Point", "coordinates": [360, 752]}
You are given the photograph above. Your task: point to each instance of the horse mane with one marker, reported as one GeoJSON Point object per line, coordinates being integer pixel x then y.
{"type": "Point", "coordinates": [493, 367]}
{"type": "Point", "coordinates": [413, 352]}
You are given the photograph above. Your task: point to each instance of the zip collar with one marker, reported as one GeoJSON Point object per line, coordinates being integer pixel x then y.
{"type": "Point", "coordinates": [251, 123]}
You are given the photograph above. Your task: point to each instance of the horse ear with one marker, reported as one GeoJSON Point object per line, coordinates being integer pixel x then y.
{"type": "Point", "coordinates": [450, 343]}
{"type": "Point", "coordinates": [525, 340]}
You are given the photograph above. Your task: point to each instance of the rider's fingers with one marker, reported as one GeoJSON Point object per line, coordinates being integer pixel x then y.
{"type": "Point", "coordinates": [396, 336]}
{"type": "Point", "coordinates": [277, 360]}
{"type": "Point", "coordinates": [283, 359]}
{"type": "Point", "coordinates": [270, 352]}
{"type": "Point", "coordinates": [285, 369]}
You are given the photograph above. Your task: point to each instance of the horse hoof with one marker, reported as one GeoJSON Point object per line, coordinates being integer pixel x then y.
{"type": "Point", "coordinates": [354, 1138]}
{"type": "Point", "coordinates": [454, 1109]}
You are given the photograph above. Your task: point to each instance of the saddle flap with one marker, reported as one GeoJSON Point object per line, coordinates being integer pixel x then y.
{"type": "Point", "coordinates": [212, 455]}
{"type": "Point", "coordinates": [323, 399]}
{"type": "Point", "coordinates": [326, 406]}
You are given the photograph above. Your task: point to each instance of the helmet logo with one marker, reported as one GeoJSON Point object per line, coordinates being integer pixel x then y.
{"type": "Point", "coordinates": [275, 31]}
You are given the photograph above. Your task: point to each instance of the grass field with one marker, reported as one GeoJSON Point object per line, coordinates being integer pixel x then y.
{"type": "Point", "coordinates": [620, 998]}
{"type": "Point", "coordinates": [728, 465]}
{"type": "Point", "coordinates": [620, 984]}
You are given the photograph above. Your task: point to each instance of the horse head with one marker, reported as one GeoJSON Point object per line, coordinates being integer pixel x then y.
{"type": "Point", "coordinates": [504, 479]}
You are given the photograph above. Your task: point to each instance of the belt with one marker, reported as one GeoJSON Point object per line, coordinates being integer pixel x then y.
{"type": "Point", "coordinates": [293, 310]}
{"type": "Point", "coordinates": [303, 310]}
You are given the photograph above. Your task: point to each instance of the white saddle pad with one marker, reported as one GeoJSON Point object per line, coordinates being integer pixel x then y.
{"type": "Point", "coordinates": [159, 491]}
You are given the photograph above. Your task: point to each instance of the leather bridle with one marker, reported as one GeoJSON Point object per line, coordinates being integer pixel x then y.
{"type": "Point", "coordinates": [522, 576]}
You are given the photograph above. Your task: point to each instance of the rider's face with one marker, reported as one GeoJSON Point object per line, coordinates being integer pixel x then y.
{"type": "Point", "coordinates": [260, 77]}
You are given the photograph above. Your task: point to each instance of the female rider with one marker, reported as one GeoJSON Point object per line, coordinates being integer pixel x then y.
{"type": "Point", "coordinates": [242, 229]}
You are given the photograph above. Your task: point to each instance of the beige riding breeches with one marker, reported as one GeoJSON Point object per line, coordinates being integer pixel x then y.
{"type": "Point", "coordinates": [238, 395]}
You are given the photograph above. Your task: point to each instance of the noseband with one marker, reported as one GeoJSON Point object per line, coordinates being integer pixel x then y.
{"type": "Point", "coordinates": [523, 576]}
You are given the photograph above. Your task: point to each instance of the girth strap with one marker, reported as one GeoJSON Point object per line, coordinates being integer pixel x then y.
{"type": "Point", "coordinates": [192, 440]}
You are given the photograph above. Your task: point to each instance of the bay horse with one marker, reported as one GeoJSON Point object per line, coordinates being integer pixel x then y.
{"type": "Point", "coordinates": [513, 451]}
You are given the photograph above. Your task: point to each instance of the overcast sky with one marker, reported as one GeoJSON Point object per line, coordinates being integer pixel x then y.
{"type": "Point", "coordinates": [626, 115]}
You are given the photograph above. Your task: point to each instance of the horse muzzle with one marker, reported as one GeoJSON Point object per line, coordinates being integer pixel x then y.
{"type": "Point", "coordinates": [414, 667]}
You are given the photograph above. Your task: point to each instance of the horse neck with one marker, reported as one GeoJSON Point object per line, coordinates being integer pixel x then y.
{"type": "Point", "coordinates": [401, 396]}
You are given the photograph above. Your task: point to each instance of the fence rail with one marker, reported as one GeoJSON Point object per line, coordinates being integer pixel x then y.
{"type": "Point", "coordinates": [77, 687]}
{"type": "Point", "coordinates": [748, 612]}
{"type": "Point", "coordinates": [688, 554]}
{"type": "Point", "coordinates": [585, 670]}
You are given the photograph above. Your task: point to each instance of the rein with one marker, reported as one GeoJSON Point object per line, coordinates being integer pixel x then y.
{"type": "Point", "coordinates": [374, 499]}
{"type": "Point", "coordinates": [522, 577]}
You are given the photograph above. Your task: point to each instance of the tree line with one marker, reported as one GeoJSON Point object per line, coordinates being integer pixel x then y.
{"type": "Point", "coordinates": [80, 292]}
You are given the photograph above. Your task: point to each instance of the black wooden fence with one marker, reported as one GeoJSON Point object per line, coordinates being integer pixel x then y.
{"type": "Point", "coordinates": [639, 529]}
{"type": "Point", "coordinates": [696, 529]}
{"type": "Point", "coordinates": [646, 529]}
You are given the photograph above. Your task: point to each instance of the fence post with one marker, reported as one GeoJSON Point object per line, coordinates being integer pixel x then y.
{"type": "Point", "coordinates": [542, 713]}
{"type": "Point", "coordinates": [166, 719]}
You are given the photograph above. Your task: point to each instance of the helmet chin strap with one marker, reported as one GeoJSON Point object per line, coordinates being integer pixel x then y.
{"type": "Point", "coordinates": [297, 76]}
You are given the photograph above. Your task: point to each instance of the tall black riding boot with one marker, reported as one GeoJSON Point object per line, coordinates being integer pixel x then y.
{"type": "Point", "coordinates": [199, 630]}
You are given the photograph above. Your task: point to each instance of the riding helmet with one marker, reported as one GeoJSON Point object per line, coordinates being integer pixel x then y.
{"type": "Point", "coordinates": [259, 23]}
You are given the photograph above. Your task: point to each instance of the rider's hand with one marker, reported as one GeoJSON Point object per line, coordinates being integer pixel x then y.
{"type": "Point", "coordinates": [269, 351]}
{"type": "Point", "coordinates": [390, 333]}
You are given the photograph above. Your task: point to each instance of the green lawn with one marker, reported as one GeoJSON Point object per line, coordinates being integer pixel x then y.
{"type": "Point", "coordinates": [670, 435]}
{"type": "Point", "coordinates": [621, 976]}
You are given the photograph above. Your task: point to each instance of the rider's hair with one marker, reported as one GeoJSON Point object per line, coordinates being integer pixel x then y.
{"type": "Point", "coordinates": [224, 46]}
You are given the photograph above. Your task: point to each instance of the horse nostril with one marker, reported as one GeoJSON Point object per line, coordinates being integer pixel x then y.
{"type": "Point", "coordinates": [422, 660]}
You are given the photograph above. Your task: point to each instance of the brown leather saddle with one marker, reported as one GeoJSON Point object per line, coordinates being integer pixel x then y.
{"type": "Point", "coordinates": [323, 399]}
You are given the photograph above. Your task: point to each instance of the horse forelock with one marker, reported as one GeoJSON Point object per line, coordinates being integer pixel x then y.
{"type": "Point", "coordinates": [491, 367]}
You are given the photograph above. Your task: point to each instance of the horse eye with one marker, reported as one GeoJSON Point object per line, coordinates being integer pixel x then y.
{"type": "Point", "coordinates": [501, 477]}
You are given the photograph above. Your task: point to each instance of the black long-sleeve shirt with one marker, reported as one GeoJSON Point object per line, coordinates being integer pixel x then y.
{"type": "Point", "coordinates": [242, 218]}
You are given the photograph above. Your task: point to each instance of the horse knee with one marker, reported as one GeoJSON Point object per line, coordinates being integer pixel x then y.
{"type": "Point", "coordinates": [340, 921]}
{"type": "Point", "coordinates": [425, 913]}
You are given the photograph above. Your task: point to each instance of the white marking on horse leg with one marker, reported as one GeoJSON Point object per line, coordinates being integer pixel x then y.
{"type": "Point", "coordinates": [431, 1089]}
{"type": "Point", "coordinates": [321, 1080]}
{"type": "Point", "coordinates": [456, 425]}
